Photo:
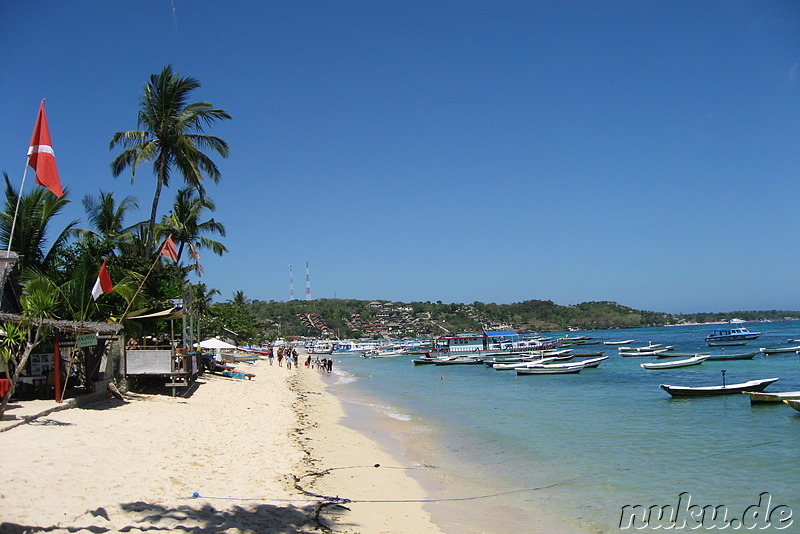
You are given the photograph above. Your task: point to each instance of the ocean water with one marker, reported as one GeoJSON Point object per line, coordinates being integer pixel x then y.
{"type": "Point", "coordinates": [507, 453]}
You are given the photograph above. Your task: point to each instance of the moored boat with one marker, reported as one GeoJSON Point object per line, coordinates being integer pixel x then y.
{"type": "Point", "coordinates": [726, 343]}
{"type": "Point", "coordinates": [642, 353]}
{"type": "Point", "coordinates": [459, 360]}
{"type": "Point", "coordinates": [752, 385]}
{"type": "Point", "coordinates": [520, 365]}
{"type": "Point", "coordinates": [726, 357]}
{"type": "Point", "coordinates": [649, 347]}
{"type": "Point", "coordinates": [694, 360]}
{"type": "Point", "coordinates": [551, 369]}
{"type": "Point", "coordinates": [623, 342]}
{"type": "Point", "coordinates": [591, 363]}
{"type": "Point", "coordinates": [779, 350]}
{"type": "Point", "coordinates": [731, 334]}
{"type": "Point", "coordinates": [763, 397]}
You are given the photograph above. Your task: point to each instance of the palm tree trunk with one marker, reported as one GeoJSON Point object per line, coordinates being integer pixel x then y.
{"type": "Point", "coordinates": [159, 182]}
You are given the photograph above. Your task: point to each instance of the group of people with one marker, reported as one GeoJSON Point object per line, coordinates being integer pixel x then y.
{"type": "Point", "coordinates": [288, 354]}
{"type": "Point", "coordinates": [323, 365]}
{"type": "Point", "coordinates": [284, 352]}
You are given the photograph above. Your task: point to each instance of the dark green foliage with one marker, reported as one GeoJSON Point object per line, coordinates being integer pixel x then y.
{"type": "Point", "coordinates": [346, 318]}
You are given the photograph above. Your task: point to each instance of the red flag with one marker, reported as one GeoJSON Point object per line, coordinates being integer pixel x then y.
{"type": "Point", "coordinates": [103, 282]}
{"type": "Point", "coordinates": [169, 249]}
{"type": "Point", "coordinates": [41, 157]}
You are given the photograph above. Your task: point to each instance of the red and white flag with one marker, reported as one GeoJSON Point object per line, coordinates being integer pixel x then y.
{"type": "Point", "coordinates": [169, 249]}
{"type": "Point", "coordinates": [41, 157]}
{"type": "Point", "coordinates": [103, 282]}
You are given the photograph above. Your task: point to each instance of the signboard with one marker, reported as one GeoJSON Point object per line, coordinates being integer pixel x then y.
{"type": "Point", "coordinates": [87, 340]}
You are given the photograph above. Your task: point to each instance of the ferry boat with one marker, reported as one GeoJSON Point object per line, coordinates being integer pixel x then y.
{"type": "Point", "coordinates": [731, 334]}
{"type": "Point", "coordinates": [490, 342]}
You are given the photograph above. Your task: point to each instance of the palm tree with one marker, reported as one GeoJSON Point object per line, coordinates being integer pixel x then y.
{"type": "Point", "coordinates": [106, 219]}
{"type": "Point", "coordinates": [36, 212]}
{"type": "Point", "coordinates": [239, 299]}
{"type": "Point", "coordinates": [183, 224]}
{"type": "Point", "coordinates": [170, 136]}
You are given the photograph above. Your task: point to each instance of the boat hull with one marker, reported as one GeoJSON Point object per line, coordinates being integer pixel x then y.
{"type": "Point", "coordinates": [725, 357]}
{"type": "Point", "coordinates": [761, 397]}
{"type": "Point", "coordinates": [695, 360]}
{"type": "Point", "coordinates": [753, 385]}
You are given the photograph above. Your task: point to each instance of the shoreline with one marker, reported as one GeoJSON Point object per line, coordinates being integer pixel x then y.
{"type": "Point", "coordinates": [235, 455]}
{"type": "Point", "coordinates": [457, 500]}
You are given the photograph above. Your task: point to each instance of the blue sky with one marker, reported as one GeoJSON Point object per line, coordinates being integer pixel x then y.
{"type": "Point", "coordinates": [636, 151]}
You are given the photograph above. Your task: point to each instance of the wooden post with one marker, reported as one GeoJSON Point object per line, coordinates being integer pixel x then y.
{"type": "Point", "coordinates": [57, 365]}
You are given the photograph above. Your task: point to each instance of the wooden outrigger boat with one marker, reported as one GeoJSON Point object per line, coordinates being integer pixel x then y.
{"type": "Point", "coordinates": [647, 348]}
{"type": "Point", "coordinates": [624, 342]}
{"type": "Point", "coordinates": [683, 354]}
{"type": "Point", "coordinates": [520, 365]}
{"type": "Point", "coordinates": [725, 343]}
{"type": "Point", "coordinates": [761, 397]}
{"type": "Point", "coordinates": [642, 353]}
{"type": "Point", "coordinates": [742, 356]}
{"type": "Point", "coordinates": [551, 369]}
{"type": "Point", "coordinates": [458, 360]}
{"type": "Point", "coordinates": [779, 350]}
{"type": "Point", "coordinates": [752, 385]}
{"type": "Point", "coordinates": [591, 363]}
{"type": "Point", "coordinates": [694, 360]}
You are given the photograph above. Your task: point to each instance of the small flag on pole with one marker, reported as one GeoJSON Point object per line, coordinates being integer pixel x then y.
{"type": "Point", "coordinates": [103, 282]}
{"type": "Point", "coordinates": [169, 249]}
{"type": "Point", "coordinates": [41, 157]}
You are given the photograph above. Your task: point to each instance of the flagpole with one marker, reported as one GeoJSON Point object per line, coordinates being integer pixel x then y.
{"type": "Point", "coordinates": [158, 257]}
{"type": "Point", "coordinates": [16, 210]}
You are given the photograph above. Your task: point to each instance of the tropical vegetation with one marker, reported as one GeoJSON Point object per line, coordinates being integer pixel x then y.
{"type": "Point", "coordinates": [58, 264]}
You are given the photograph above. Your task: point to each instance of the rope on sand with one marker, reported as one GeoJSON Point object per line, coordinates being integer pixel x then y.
{"type": "Point", "coordinates": [337, 499]}
{"type": "Point", "coordinates": [329, 499]}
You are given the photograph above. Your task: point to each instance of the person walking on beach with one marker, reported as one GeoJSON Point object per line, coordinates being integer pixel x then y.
{"type": "Point", "coordinates": [280, 356]}
{"type": "Point", "coordinates": [270, 355]}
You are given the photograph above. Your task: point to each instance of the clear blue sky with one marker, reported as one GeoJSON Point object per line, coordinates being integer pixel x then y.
{"type": "Point", "coordinates": [636, 151]}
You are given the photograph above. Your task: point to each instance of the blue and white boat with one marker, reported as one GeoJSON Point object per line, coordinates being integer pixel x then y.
{"type": "Point", "coordinates": [489, 343]}
{"type": "Point", "coordinates": [731, 334]}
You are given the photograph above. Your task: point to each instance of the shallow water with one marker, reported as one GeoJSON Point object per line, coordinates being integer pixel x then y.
{"type": "Point", "coordinates": [577, 448]}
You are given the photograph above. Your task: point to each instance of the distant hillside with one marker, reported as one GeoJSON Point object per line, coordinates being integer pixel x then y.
{"type": "Point", "coordinates": [347, 318]}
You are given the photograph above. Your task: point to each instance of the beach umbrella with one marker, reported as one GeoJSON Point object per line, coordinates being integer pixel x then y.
{"type": "Point", "coordinates": [215, 343]}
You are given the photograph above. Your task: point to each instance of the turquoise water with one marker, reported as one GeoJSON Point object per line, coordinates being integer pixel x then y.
{"type": "Point", "coordinates": [575, 449]}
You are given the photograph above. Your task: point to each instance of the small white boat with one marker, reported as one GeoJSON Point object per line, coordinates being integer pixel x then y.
{"type": "Point", "coordinates": [551, 369]}
{"type": "Point", "coordinates": [694, 360]}
{"type": "Point", "coordinates": [650, 346]}
{"type": "Point", "coordinates": [642, 353]}
{"type": "Point", "coordinates": [752, 385]}
{"type": "Point", "coordinates": [459, 360]}
{"type": "Point", "coordinates": [779, 350]}
{"type": "Point", "coordinates": [520, 365]}
{"type": "Point", "coordinates": [624, 342]}
{"type": "Point", "coordinates": [762, 397]}
{"type": "Point", "coordinates": [592, 363]}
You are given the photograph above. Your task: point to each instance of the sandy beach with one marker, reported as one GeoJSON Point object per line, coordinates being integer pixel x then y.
{"type": "Point", "coordinates": [261, 455]}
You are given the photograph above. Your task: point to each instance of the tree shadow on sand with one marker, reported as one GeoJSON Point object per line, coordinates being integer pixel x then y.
{"type": "Point", "coordinates": [204, 519]}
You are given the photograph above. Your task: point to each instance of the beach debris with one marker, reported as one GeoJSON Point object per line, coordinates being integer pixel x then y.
{"type": "Point", "coordinates": [112, 390]}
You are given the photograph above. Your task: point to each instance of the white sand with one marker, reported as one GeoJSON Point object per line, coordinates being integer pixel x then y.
{"type": "Point", "coordinates": [249, 449]}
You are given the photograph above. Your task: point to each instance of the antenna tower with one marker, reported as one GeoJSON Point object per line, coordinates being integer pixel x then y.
{"type": "Point", "coordinates": [291, 283]}
{"type": "Point", "coordinates": [308, 284]}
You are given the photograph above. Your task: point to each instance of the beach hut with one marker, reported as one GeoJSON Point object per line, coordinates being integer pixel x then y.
{"type": "Point", "coordinates": [95, 347]}
{"type": "Point", "coordinates": [162, 360]}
